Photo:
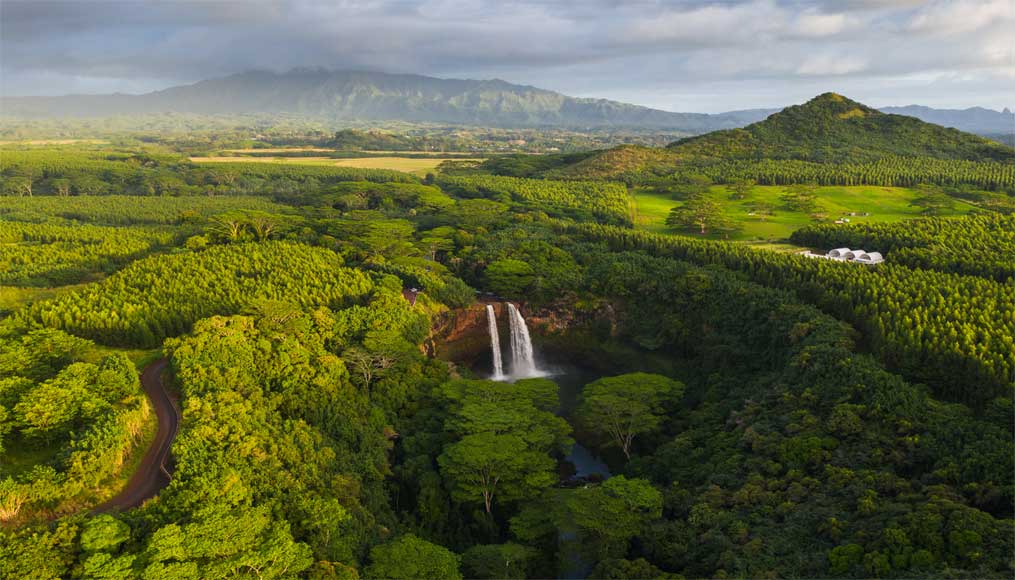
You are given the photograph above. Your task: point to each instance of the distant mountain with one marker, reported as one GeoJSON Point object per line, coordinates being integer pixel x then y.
{"type": "Point", "coordinates": [974, 120]}
{"type": "Point", "coordinates": [347, 95]}
{"type": "Point", "coordinates": [831, 127]}
{"type": "Point", "coordinates": [365, 96]}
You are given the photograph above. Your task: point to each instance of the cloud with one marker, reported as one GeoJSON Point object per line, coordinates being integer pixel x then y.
{"type": "Point", "coordinates": [647, 50]}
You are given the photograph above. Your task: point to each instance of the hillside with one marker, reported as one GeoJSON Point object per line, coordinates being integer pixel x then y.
{"type": "Point", "coordinates": [832, 128]}
{"type": "Point", "coordinates": [360, 95]}
{"type": "Point", "coordinates": [829, 130]}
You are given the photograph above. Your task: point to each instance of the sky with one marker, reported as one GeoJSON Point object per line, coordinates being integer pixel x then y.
{"type": "Point", "coordinates": [680, 55]}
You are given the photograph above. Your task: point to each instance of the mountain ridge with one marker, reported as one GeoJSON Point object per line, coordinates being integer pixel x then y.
{"type": "Point", "coordinates": [369, 95]}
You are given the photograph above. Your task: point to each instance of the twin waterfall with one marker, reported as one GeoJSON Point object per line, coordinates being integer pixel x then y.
{"type": "Point", "coordinates": [498, 363]}
{"type": "Point", "coordinates": [523, 361]}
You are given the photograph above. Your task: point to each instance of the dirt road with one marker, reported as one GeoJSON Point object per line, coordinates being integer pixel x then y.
{"type": "Point", "coordinates": [152, 473]}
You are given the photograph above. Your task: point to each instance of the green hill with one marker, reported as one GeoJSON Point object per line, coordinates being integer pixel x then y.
{"type": "Point", "coordinates": [832, 128]}
{"type": "Point", "coordinates": [830, 139]}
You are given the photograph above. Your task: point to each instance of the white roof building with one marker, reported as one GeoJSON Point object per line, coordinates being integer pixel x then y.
{"type": "Point", "coordinates": [870, 258]}
{"type": "Point", "coordinates": [838, 253]}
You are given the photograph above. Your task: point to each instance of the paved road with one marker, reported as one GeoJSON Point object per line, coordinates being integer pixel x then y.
{"type": "Point", "coordinates": [152, 473]}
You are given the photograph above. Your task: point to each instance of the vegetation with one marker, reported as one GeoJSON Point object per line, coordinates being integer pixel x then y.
{"type": "Point", "coordinates": [583, 200]}
{"type": "Point", "coordinates": [764, 214]}
{"type": "Point", "coordinates": [761, 414]}
{"type": "Point", "coordinates": [981, 245]}
{"type": "Point", "coordinates": [164, 295]}
{"type": "Point", "coordinates": [832, 128]}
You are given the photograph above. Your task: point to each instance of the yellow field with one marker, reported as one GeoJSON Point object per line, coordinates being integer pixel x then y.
{"type": "Point", "coordinates": [324, 150]}
{"type": "Point", "coordinates": [53, 142]}
{"type": "Point", "coordinates": [418, 166]}
{"type": "Point", "coordinates": [279, 150]}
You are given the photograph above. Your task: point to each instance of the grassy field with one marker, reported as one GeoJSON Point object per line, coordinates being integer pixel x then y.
{"type": "Point", "coordinates": [418, 166]}
{"type": "Point", "coordinates": [884, 204]}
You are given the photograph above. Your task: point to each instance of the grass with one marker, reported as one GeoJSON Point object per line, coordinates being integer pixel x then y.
{"type": "Point", "coordinates": [417, 166]}
{"type": "Point", "coordinates": [884, 204]}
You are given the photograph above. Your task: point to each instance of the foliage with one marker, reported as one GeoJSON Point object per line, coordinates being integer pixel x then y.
{"type": "Point", "coordinates": [502, 443]}
{"type": "Point", "coordinates": [832, 128]}
{"type": "Point", "coordinates": [625, 406]}
{"type": "Point", "coordinates": [582, 200]}
{"type": "Point", "coordinates": [945, 329]}
{"type": "Point", "coordinates": [52, 255]}
{"type": "Point", "coordinates": [164, 295]}
{"type": "Point", "coordinates": [413, 559]}
{"type": "Point", "coordinates": [980, 245]}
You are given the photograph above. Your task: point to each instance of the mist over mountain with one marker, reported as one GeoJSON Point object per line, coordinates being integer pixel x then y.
{"type": "Point", "coordinates": [363, 95]}
{"type": "Point", "coordinates": [973, 120]}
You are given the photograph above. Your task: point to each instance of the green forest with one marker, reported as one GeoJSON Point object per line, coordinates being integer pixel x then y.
{"type": "Point", "coordinates": [752, 412]}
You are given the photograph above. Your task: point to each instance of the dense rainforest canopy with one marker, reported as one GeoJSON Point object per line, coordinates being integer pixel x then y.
{"type": "Point", "coordinates": [762, 414]}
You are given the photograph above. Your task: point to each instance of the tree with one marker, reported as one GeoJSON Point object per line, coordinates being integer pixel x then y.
{"type": "Point", "coordinates": [689, 186]}
{"type": "Point", "coordinates": [699, 213]}
{"type": "Point", "coordinates": [89, 185]}
{"type": "Point", "coordinates": [800, 197]}
{"type": "Point", "coordinates": [503, 441]}
{"type": "Point", "coordinates": [509, 277]}
{"type": "Point", "coordinates": [60, 186]}
{"type": "Point", "coordinates": [618, 569]}
{"type": "Point", "coordinates": [612, 513]}
{"type": "Point", "coordinates": [740, 188]}
{"type": "Point", "coordinates": [509, 561]}
{"type": "Point", "coordinates": [487, 465]}
{"type": "Point", "coordinates": [625, 406]}
{"type": "Point", "coordinates": [762, 208]}
{"type": "Point", "coordinates": [103, 533]}
{"type": "Point", "coordinates": [410, 558]}
{"type": "Point", "coordinates": [19, 186]}
{"type": "Point", "coordinates": [6, 425]}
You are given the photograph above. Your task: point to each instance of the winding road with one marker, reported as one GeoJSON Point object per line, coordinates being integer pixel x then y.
{"type": "Point", "coordinates": [152, 474]}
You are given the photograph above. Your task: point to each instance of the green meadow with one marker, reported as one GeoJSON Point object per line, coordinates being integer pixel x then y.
{"type": "Point", "coordinates": [883, 204]}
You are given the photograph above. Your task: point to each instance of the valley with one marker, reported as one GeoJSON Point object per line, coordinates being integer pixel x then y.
{"type": "Point", "coordinates": [401, 353]}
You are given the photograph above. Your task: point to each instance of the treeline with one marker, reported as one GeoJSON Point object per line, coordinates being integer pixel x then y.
{"type": "Point", "coordinates": [888, 172]}
{"type": "Point", "coordinates": [164, 295]}
{"type": "Point", "coordinates": [55, 255]}
{"type": "Point", "coordinates": [580, 200]}
{"type": "Point", "coordinates": [84, 418]}
{"type": "Point", "coordinates": [954, 332]}
{"type": "Point", "coordinates": [981, 245]}
{"type": "Point", "coordinates": [32, 172]}
{"type": "Point", "coordinates": [124, 210]}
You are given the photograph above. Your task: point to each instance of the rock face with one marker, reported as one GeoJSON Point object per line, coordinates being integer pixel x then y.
{"type": "Point", "coordinates": [462, 336]}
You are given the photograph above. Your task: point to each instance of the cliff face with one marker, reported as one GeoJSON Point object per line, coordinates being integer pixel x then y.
{"type": "Point", "coordinates": [462, 335]}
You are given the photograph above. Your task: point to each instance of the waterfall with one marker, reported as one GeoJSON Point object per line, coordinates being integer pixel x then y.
{"type": "Point", "coordinates": [523, 362]}
{"type": "Point", "coordinates": [498, 364]}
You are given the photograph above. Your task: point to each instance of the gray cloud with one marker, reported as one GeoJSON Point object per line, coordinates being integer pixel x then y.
{"type": "Point", "coordinates": [681, 55]}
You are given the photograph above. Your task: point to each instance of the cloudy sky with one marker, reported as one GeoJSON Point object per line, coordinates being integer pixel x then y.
{"type": "Point", "coordinates": [681, 55]}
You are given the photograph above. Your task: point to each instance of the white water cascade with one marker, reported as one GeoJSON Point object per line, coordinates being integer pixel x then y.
{"type": "Point", "coordinates": [498, 364]}
{"type": "Point", "coordinates": [523, 361]}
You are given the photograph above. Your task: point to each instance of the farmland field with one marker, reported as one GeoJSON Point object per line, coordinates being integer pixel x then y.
{"type": "Point", "coordinates": [884, 204]}
{"type": "Point", "coordinates": [418, 166]}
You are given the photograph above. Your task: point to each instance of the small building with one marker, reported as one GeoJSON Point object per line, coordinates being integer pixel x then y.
{"type": "Point", "coordinates": [870, 258]}
{"type": "Point", "coordinates": [838, 253]}
{"type": "Point", "coordinates": [852, 255]}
